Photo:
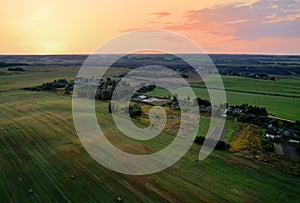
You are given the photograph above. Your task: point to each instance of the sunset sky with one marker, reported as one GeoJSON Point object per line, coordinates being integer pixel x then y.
{"type": "Point", "coordinates": [79, 27]}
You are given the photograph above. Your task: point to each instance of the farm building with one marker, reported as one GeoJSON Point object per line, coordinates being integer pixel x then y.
{"type": "Point", "coordinates": [151, 99]}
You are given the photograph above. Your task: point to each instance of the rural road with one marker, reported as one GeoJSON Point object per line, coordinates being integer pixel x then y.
{"type": "Point", "coordinates": [283, 119]}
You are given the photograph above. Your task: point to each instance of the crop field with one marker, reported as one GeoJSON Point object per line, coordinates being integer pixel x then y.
{"type": "Point", "coordinates": [42, 160]}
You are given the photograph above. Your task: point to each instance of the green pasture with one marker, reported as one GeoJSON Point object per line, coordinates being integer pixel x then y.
{"type": "Point", "coordinates": [34, 76]}
{"type": "Point", "coordinates": [280, 97]}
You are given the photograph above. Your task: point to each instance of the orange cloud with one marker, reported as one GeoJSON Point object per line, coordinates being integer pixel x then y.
{"type": "Point", "coordinates": [160, 14]}
{"type": "Point", "coordinates": [263, 27]}
{"type": "Point", "coordinates": [274, 19]}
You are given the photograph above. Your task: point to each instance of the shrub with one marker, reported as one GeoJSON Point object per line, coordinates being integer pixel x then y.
{"type": "Point", "coordinates": [221, 145]}
{"type": "Point", "coordinates": [199, 140]}
{"type": "Point", "coordinates": [134, 111]}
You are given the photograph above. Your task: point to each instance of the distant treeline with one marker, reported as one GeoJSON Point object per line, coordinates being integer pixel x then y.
{"type": "Point", "coordinates": [249, 75]}
{"type": "Point", "coordinates": [52, 86]}
{"type": "Point", "coordinates": [252, 64]}
{"type": "Point", "coordinates": [3, 65]}
{"type": "Point", "coordinates": [235, 64]}
{"type": "Point", "coordinates": [16, 69]}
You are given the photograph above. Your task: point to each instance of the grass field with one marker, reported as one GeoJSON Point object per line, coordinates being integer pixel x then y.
{"type": "Point", "coordinates": [34, 76]}
{"type": "Point", "coordinates": [40, 151]}
{"type": "Point", "coordinates": [280, 97]}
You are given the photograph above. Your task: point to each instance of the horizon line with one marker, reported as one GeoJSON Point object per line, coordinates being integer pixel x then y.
{"type": "Point", "coordinates": [82, 54]}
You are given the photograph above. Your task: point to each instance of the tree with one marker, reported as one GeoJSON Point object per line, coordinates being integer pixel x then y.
{"type": "Point", "coordinates": [67, 91]}
{"type": "Point", "coordinates": [109, 107]}
{"type": "Point", "coordinates": [221, 145]}
{"type": "Point", "coordinates": [175, 97]}
{"type": "Point", "coordinates": [135, 111]}
{"type": "Point", "coordinates": [106, 94]}
{"type": "Point", "coordinates": [202, 102]}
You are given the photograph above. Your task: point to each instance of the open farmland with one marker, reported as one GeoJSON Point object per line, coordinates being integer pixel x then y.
{"type": "Point", "coordinates": [42, 159]}
{"type": "Point", "coordinates": [41, 152]}
{"type": "Point", "coordinates": [36, 75]}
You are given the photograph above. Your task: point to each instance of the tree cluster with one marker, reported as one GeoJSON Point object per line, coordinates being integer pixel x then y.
{"type": "Point", "coordinates": [16, 69]}
{"type": "Point", "coordinates": [202, 102]}
{"type": "Point", "coordinates": [248, 113]}
{"type": "Point", "coordinates": [221, 145]}
{"type": "Point", "coordinates": [133, 110]}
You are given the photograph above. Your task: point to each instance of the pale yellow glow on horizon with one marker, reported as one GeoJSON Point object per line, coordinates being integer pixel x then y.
{"type": "Point", "coordinates": [79, 27]}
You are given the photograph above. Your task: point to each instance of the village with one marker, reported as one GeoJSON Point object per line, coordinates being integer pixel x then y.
{"type": "Point", "coordinates": [276, 131]}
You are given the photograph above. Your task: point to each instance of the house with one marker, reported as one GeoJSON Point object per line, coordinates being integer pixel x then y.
{"type": "Point", "coordinates": [149, 100]}
{"type": "Point", "coordinates": [142, 97]}
{"type": "Point", "coordinates": [270, 136]}
{"type": "Point", "coordinates": [271, 127]}
{"type": "Point", "coordinates": [287, 133]}
{"type": "Point", "coordinates": [229, 109]}
{"type": "Point", "coordinates": [237, 111]}
{"type": "Point", "coordinates": [139, 98]}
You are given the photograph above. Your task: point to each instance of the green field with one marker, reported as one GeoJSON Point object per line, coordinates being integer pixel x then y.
{"type": "Point", "coordinates": [42, 159]}
{"type": "Point", "coordinates": [280, 97]}
{"type": "Point", "coordinates": [40, 151]}
{"type": "Point", "coordinates": [34, 76]}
